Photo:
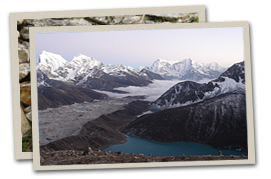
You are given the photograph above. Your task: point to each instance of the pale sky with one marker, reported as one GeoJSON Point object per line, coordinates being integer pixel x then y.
{"type": "Point", "coordinates": [142, 47]}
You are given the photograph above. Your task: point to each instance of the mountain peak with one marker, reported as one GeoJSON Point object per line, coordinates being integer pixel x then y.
{"type": "Point", "coordinates": [44, 55]}
{"type": "Point", "coordinates": [186, 69]}
{"type": "Point", "coordinates": [171, 61]}
{"type": "Point", "coordinates": [83, 60]}
{"type": "Point", "coordinates": [188, 92]}
{"type": "Point", "coordinates": [82, 56]}
{"type": "Point", "coordinates": [115, 69]}
{"type": "Point", "coordinates": [51, 60]}
{"type": "Point", "coordinates": [186, 60]}
{"type": "Point", "coordinates": [236, 72]}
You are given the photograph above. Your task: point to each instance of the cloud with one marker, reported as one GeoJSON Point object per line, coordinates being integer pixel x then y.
{"type": "Point", "coordinates": [152, 91]}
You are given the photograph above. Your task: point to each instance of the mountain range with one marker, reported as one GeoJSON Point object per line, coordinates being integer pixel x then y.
{"type": "Point", "coordinates": [186, 70]}
{"type": "Point", "coordinates": [90, 73]}
{"type": "Point", "coordinates": [219, 122]}
{"type": "Point", "coordinates": [189, 92]}
{"type": "Point", "coordinates": [212, 113]}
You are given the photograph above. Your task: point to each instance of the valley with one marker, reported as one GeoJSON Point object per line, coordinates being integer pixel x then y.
{"type": "Point", "coordinates": [84, 103]}
{"type": "Point", "coordinates": [67, 120]}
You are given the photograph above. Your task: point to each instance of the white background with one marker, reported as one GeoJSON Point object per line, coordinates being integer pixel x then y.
{"type": "Point", "coordinates": [256, 12]}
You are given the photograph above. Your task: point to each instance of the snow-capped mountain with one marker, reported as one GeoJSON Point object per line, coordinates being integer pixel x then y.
{"type": "Point", "coordinates": [119, 70]}
{"type": "Point", "coordinates": [57, 68]}
{"type": "Point", "coordinates": [83, 65]}
{"type": "Point", "coordinates": [89, 72]}
{"type": "Point", "coordinates": [186, 69]}
{"type": "Point", "coordinates": [50, 63]}
{"type": "Point", "coordinates": [188, 92]}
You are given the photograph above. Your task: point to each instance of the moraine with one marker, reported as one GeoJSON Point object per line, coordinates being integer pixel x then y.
{"type": "Point", "coordinates": [67, 120]}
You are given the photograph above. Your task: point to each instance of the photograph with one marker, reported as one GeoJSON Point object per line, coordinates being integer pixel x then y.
{"type": "Point", "coordinates": [152, 94]}
{"type": "Point", "coordinates": [20, 33]}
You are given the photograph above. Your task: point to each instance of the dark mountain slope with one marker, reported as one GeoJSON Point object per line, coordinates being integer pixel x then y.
{"type": "Point", "coordinates": [53, 93]}
{"type": "Point", "coordinates": [220, 122]}
{"type": "Point", "coordinates": [108, 82]}
{"type": "Point", "coordinates": [188, 92]}
{"type": "Point", "coordinates": [182, 93]}
{"type": "Point", "coordinates": [151, 75]}
{"type": "Point", "coordinates": [50, 97]}
{"type": "Point", "coordinates": [236, 72]}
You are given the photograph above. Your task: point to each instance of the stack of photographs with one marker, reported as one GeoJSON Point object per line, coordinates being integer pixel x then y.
{"type": "Point", "coordinates": [127, 88]}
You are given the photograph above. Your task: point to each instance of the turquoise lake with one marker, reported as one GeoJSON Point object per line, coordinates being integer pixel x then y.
{"type": "Point", "coordinates": [137, 146]}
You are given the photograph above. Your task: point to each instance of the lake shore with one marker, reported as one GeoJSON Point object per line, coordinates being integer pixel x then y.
{"type": "Point", "coordinates": [138, 145]}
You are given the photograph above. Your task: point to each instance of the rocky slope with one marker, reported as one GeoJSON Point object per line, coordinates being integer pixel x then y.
{"type": "Point", "coordinates": [53, 93]}
{"type": "Point", "coordinates": [69, 119]}
{"type": "Point", "coordinates": [235, 72]}
{"type": "Point", "coordinates": [50, 97]}
{"type": "Point", "coordinates": [107, 82]}
{"type": "Point", "coordinates": [188, 92]}
{"type": "Point", "coordinates": [219, 122]}
{"type": "Point", "coordinates": [70, 157]}
{"type": "Point", "coordinates": [150, 75]}
{"type": "Point", "coordinates": [101, 132]}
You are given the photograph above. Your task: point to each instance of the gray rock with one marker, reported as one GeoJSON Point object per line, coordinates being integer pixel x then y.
{"type": "Point", "coordinates": [24, 70]}
{"type": "Point", "coordinates": [90, 151]}
{"type": "Point", "coordinates": [23, 56]}
{"type": "Point", "coordinates": [149, 22]}
{"type": "Point", "coordinates": [131, 19]}
{"type": "Point", "coordinates": [23, 52]}
{"type": "Point", "coordinates": [24, 33]}
{"type": "Point", "coordinates": [25, 125]}
{"type": "Point", "coordinates": [27, 109]}
{"type": "Point", "coordinates": [25, 93]}
{"type": "Point", "coordinates": [117, 19]}
{"type": "Point", "coordinates": [107, 152]}
{"type": "Point", "coordinates": [29, 116]}
{"type": "Point", "coordinates": [55, 22]}
{"type": "Point", "coordinates": [79, 21]}
{"type": "Point", "coordinates": [24, 45]}
{"type": "Point", "coordinates": [104, 19]}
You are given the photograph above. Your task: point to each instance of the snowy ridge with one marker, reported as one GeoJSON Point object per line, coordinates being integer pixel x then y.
{"type": "Point", "coordinates": [56, 67]}
{"type": "Point", "coordinates": [49, 63]}
{"type": "Point", "coordinates": [81, 68]}
{"type": "Point", "coordinates": [82, 65]}
{"type": "Point", "coordinates": [188, 92]}
{"type": "Point", "coordinates": [118, 70]}
{"type": "Point", "coordinates": [186, 69]}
